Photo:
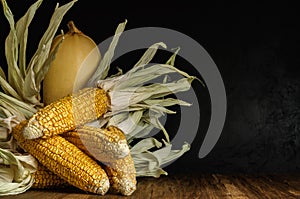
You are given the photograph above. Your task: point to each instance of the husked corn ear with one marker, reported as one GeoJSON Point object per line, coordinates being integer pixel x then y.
{"type": "Point", "coordinates": [67, 113]}
{"type": "Point", "coordinates": [65, 160]}
{"type": "Point", "coordinates": [122, 175]}
{"type": "Point", "coordinates": [121, 171]}
{"type": "Point", "coordinates": [102, 144]}
{"type": "Point", "coordinates": [43, 178]}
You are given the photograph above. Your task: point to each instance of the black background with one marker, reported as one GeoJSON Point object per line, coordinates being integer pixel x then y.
{"type": "Point", "coordinates": [256, 48]}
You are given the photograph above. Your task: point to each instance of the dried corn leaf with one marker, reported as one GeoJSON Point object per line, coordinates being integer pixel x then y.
{"type": "Point", "coordinates": [142, 130]}
{"type": "Point", "coordinates": [149, 54]}
{"type": "Point", "coordinates": [166, 102]}
{"type": "Point", "coordinates": [144, 145]}
{"type": "Point", "coordinates": [132, 101]}
{"type": "Point", "coordinates": [4, 113]}
{"type": "Point", "coordinates": [150, 163]}
{"type": "Point", "coordinates": [40, 75]}
{"type": "Point", "coordinates": [32, 89]}
{"type": "Point", "coordinates": [6, 87]}
{"type": "Point", "coordinates": [9, 110]}
{"type": "Point", "coordinates": [146, 163]}
{"type": "Point", "coordinates": [104, 65]}
{"type": "Point", "coordinates": [8, 122]}
{"type": "Point", "coordinates": [6, 139]}
{"type": "Point", "coordinates": [130, 122]}
{"type": "Point", "coordinates": [11, 52]}
{"type": "Point", "coordinates": [22, 34]}
{"type": "Point", "coordinates": [45, 42]}
{"type": "Point", "coordinates": [23, 80]}
{"type": "Point", "coordinates": [171, 60]}
{"type": "Point", "coordinates": [23, 108]}
{"type": "Point", "coordinates": [126, 99]}
{"type": "Point", "coordinates": [166, 154]}
{"type": "Point", "coordinates": [21, 93]}
{"type": "Point", "coordinates": [2, 73]}
{"type": "Point", "coordinates": [15, 178]}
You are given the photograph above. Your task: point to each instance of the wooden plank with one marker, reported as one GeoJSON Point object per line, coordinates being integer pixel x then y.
{"type": "Point", "coordinates": [202, 186]}
{"type": "Point", "coordinates": [237, 187]}
{"type": "Point", "coordinates": [265, 187]}
{"type": "Point", "coordinates": [291, 182]}
{"type": "Point", "coordinates": [281, 189]}
{"type": "Point", "coordinates": [218, 189]}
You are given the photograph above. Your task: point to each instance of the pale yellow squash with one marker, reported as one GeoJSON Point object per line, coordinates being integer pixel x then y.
{"type": "Point", "coordinates": [76, 60]}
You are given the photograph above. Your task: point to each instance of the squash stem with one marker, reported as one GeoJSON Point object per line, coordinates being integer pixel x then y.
{"type": "Point", "coordinates": [72, 28]}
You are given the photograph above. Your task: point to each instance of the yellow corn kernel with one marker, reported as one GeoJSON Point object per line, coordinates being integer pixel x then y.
{"type": "Point", "coordinates": [121, 171]}
{"type": "Point", "coordinates": [43, 178]}
{"type": "Point", "coordinates": [104, 145]}
{"type": "Point", "coordinates": [65, 160]}
{"type": "Point", "coordinates": [122, 175]}
{"type": "Point", "coordinates": [67, 113]}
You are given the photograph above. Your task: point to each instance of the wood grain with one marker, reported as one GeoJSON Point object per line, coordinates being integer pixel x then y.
{"type": "Point", "coordinates": [204, 186]}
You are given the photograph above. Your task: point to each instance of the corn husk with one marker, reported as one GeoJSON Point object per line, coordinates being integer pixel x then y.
{"type": "Point", "coordinates": [20, 95]}
{"type": "Point", "coordinates": [15, 172]}
{"type": "Point", "coordinates": [136, 107]}
{"type": "Point", "coordinates": [132, 101]}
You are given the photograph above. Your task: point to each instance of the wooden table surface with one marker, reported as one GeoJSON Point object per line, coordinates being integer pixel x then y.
{"type": "Point", "coordinates": [193, 186]}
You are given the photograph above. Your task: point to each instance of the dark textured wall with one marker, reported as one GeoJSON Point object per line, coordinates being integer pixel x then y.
{"type": "Point", "coordinates": [256, 48]}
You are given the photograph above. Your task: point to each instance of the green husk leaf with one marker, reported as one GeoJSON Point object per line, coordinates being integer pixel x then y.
{"type": "Point", "coordinates": [104, 65]}
{"type": "Point", "coordinates": [149, 54]}
{"type": "Point", "coordinates": [14, 177]}
{"type": "Point", "coordinates": [22, 34]}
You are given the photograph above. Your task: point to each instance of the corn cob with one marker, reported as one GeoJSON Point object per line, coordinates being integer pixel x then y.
{"type": "Point", "coordinates": [121, 171]}
{"type": "Point", "coordinates": [43, 178]}
{"type": "Point", "coordinates": [105, 145]}
{"type": "Point", "coordinates": [122, 175]}
{"type": "Point", "coordinates": [67, 113]}
{"type": "Point", "coordinates": [65, 160]}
